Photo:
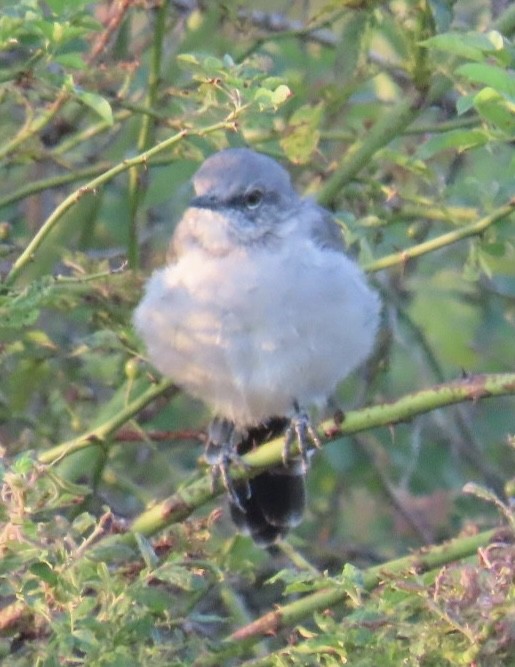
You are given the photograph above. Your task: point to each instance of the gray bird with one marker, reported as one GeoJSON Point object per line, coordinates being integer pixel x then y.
{"type": "Point", "coordinates": [260, 314]}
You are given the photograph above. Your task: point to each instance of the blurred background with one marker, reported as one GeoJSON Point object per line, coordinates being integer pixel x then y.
{"type": "Point", "coordinates": [397, 116]}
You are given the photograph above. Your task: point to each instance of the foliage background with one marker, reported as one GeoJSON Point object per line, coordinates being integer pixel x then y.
{"type": "Point", "coordinates": [399, 117]}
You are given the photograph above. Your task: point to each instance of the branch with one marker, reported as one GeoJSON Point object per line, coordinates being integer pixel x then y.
{"type": "Point", "coordinates": [118, 13]}
{"type": "Point", "coordinates": [145, 135]}
{"type": "Point", "coordinates": [88, 133]}
{"type": "Point", "coordinates": [127, 434]}
{"type": "Point", "coordinates": [282, 26]}
{"type": "Point", "coordinates": [183, 502]}
{"type": "Point", "coordinates": [35, 125]}
{"type": "Point", "coordinates": [505, 23]}
{"type": "Point", "coordinates": [359, 154]}
{"type": "Point", "coordinates": [140, 160]}
{"type": "Point", "coordinates": [52, 182]}
{"type": "Point", "coordinates": [101, 433]}
{"type": "Point", "coordinates": [442, 241]}
{"type": "Point", "coordinates": [423, 561]}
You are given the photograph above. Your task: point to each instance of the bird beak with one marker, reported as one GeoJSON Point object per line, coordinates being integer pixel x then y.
{"type": "Point", "coordinates": [203, 202]}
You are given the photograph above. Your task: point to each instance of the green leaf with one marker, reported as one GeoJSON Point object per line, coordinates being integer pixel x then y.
{"type": "Point", "coordinates": [180, 576]}
{"type": "Point", "coordinates": [471, 45]}
{"type": "Point", "coordinates": [86, 639]}
{"type": "Point", "coordinates": [496, 248]}
{"type": "Point", "coordinates": [351, 579]}
{"type": "Point", "coordinates": [59, 6]}
{"type": "Point", "coordinates": [459, 140]}
{"type": "Point", "coordinates": [302, 134]}
{"type": "Point", "coordinates": [499, 79]}
{"type": "Point", "coordinates": [280, 95]}
{"type": "Point", "coordinates": [495, 109]}
{"type": "Point", "coordinates": [84, 523]}
{"type": "Point", "coordinates": [73, 60]}
{"type": "Point", "coordinates": [146, 550]}
{"type": "Point", "coordinates": [41, 339]}
{"type": "Point", "coordinates": [464, 104]}
{"type": "Point", "coordinates": [155, 599]}
{"type": "Point", "coordinates": [212, 65]}
{"type": "Point", "coordinates": [22, 309]}
{"type": "Point", "coordinates": [351, 45]}
{"type": "Point", "coordinates": [23, 464]}
{"type": "Point", "coordinates": [188, 61]}
{"type": "Point", "coordinates": [271, 99]}
{"type": "Point", "coordinates": [97, 103]}
{"type": "Point", "coordinates": [44, 572]}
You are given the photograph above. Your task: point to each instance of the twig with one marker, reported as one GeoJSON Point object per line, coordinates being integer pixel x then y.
{"type": "Point", "coordinates": [443, 240]}
{"type": "Point", "coordinates": [373, 449]}
{"type": "Point", "coordinates": [297, 559]}
{"type": "Point", "coordinates": [119, 10]}
{"type": "Point", "coordinates": [28, 254]}
{"type": "Point", "coordinates": [505, 23]}
{"type": "Point", "coordinates": [35, 125]}
{"type": "Point", "coordinates": [181, 504]}
{"type": "Point", "coordinates": [390, 126]}
{"type": "Point", "coordinates": [279, 24]}
{"type": "Point", "coordinates": [89, 132]}
{"type": "Point", "coordinates": [428, 210]}
{"type": "Point", "coordinates": [285, 616]}
{"type": "Point", "coordinates": [101, 433]}
{"type": "Point", "coordinates": [52, 182]}
{"type": "Point", "coordinates": [465, 438]}
{"type": "Point", "coordinates": [444, 126]}
{"type": "Point", "coordinates": [128, 434]}
{"type": "Point", "coordinates": [145, 133]}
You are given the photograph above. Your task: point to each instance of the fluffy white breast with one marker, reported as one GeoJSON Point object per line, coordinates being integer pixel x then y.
{"type": "Point", "coordinates": [251, 332]}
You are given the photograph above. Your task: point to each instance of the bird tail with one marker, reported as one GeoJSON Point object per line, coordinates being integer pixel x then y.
{"type": "Point", "coordinates": [277, 496]}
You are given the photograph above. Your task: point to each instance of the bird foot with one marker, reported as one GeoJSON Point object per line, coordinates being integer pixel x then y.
{"type": "Point", "coordinates": [220, 453]}
{"type": "Point", "coordinates": [304, 434]}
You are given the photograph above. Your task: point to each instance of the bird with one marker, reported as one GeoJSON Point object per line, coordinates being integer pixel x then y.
{"type": "Point", "coordinates": [260, 313]}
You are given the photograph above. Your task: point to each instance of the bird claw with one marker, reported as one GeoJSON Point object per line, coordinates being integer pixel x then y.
{"type": "Point", "coordinates": [220, 453]}
{"type": "Point", "coordinates": [302, 431]}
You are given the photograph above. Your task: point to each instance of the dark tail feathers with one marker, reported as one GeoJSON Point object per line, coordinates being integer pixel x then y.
{"type": "Point", "coordinates": [277, 497]}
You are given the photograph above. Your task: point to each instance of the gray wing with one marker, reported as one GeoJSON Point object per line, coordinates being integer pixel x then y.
{"type": "Point", "coordinates": [325, 231]}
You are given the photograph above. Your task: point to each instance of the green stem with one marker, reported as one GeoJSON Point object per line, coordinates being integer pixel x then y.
{"type": "Point", "coordinates": [104, 431]}
{"type": "Point", "coordinates": [28, 254]}
{"type": "Point", "coordinates": [36, 125]}
{"type": "Point", "coordinates": [425, 560]}
{"type": "Point", "coordinates": [444, 126]}
{"type": "Point", "coordinates": [145, 133]}
{"type": "Point", "coordinates": [181, 504]}
{"type": "Point", "coordinates": [52, 182]}
{"type": "Point", "coordinates": [431, 128]}
{"type": "Point", "coordinates": [390, 126]}
{"type": "Point", "coordinates": [429, 211]}
{"type": "Point", "coordinates": [441, 241]}
{"type": "Point", "coordinates": [69, 177]}
{"type": "Point", "coordinates": [89, 132]}
{"type": "Point", "coordinates": [297, 559]}
{"type": "Point", "coordinates": [505, 23]}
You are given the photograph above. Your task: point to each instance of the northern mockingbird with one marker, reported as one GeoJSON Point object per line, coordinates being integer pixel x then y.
{"type": "Point", "coordinates": [259, 313]}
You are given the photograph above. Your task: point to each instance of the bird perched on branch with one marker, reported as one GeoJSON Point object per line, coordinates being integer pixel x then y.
{"type": "Point", "coordinates": [260, 314]}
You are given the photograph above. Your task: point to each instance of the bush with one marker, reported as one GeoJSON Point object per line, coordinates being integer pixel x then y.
{"type": "Point", "coordinates": [398, 117]}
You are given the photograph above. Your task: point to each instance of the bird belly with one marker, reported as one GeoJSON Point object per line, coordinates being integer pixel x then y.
{"type": "Point", "coordinates": [251, 334]}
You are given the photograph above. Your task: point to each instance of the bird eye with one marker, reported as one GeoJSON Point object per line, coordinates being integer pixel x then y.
{"type": "Point", "coordinates": [253, 198]}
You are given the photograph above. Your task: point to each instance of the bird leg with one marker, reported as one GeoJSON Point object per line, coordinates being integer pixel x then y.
{"type": "Point", "coordinates": [302, 431]}
{"type": "Point", "coordinates": [222, 450]}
